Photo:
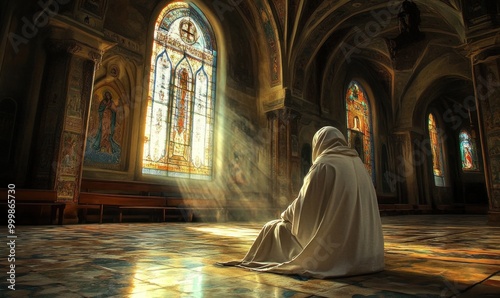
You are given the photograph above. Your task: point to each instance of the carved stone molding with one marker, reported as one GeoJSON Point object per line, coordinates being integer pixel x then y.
{"type": "Point", "coordinates": [96, 57]}
{"type": "Point", "coordinates": [63, 46]}
{"type": "Point", "coordinates": [75, 48]}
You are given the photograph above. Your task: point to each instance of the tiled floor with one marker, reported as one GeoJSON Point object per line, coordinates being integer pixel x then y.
{"type": "Point", "coordinates": [426, 256]}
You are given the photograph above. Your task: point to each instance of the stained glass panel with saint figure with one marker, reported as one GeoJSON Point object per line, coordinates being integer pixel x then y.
{"type": "Point", "coordinates": [359, 127]}
{"type": "Point", "coordinates": [468, 151]}
{"type": "Point", "coordinates": [437, 151]}
{"type": "Point", "coordinates": [179, 128]}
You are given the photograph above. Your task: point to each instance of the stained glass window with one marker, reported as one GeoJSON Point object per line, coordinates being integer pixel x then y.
{"type": "Point", "coordinates": [468, 151]}
{"type": "Point", "coordinates": [359, 126]}
{"type": "Point", "coordinates": [179, 128]}
{"type": "Point", "coordinates": [437, 151]}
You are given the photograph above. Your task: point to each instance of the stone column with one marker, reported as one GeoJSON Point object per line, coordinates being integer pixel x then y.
{"type": "Point", "coordinates": [422, 157]}
{"type": "Point", "coordinates": [486, 72]}
{"type": "Point", "coordinates": [404, 178]}
{"type": "Point", "coordinates": [64, 104]}
{"type": "Point", "coordinates": [285, 156]}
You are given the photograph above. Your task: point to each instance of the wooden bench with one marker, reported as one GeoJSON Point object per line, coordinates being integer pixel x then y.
{"type": "Point", "coordinates": [186, 213]}
{"type": "Point", "coordinates": [194, 200]}
{"type": "Point", "coordinates": [122, 203]}
{"type": "Point", "coordinates": [37, 197]}
{"type": "Point", "coordinates": [128, 187]}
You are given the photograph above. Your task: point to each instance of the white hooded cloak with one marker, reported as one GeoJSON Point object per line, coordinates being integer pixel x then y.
{"type": "Point", "coordinates": [333, 227]}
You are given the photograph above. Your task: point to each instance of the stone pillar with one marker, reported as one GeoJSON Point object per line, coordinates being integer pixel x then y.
{"type": "Point", "coordinates": [486, 72]}
{"type": "Point", "coordinates": [63, 113]}
{"type": "Point", "coordinates": [285, 155]}
{"type": "Point", "coordinates": [421, 157]}
{"type": "Point", "coordinates": [404, 179]}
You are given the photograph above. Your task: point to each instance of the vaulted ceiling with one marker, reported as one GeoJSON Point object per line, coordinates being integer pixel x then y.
{"type": "Point", "coordinates": [308, 41]}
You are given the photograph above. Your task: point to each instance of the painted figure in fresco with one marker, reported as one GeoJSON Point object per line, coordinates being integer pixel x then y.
{"type": "Point", "coordinates": [107, 121]}
{"type": "Point", "coordinates": [68, 162]}
{"type": "Point", "coordinates": [236, 172]}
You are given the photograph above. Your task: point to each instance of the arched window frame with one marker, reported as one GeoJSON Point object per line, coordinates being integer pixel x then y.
{"type": "Point", "coordinates": [180, 116]}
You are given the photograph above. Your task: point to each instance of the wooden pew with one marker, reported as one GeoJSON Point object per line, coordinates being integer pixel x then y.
{"type": "Point", "coordinates": [37, 197]}
{"type": "Point", "coordinates": [196, 200]}
{"type": "Point", "coordinates": [122, 203]}
{"type": "Point", "coordinates": [128, 187]}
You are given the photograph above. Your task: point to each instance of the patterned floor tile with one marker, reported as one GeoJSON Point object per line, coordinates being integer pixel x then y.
{"type": "Point", "coordinates": [425, 256]}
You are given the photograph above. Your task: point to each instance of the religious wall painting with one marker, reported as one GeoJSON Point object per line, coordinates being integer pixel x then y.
{"type": "Point", "coordinates": [71, 153]}
{"type": "Point", "coordinates": [179, 123]}
{"type": "Point", "coordinates": [280, 7]}
{"type": "Point", "coordinates": [76, 81]}
{"type": "Point", "coordinates": [359, 125]}
{"type": "Point", "coordinates": [436, 144]}
{"type": "Point", "coordinates": [66, 186]}
{"type": "Point", "coordinates": [105, 129]}
{"type": "Point", "coordinates": [275, 65]}
{"type": "Point", "coordinates": [74, 107]}
{"type": "Point", "coordinates": [242, 158]}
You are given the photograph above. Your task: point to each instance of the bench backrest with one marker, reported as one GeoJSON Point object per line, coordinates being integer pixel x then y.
{"type": "Point", "coordinates": [120, 200]}
{"type": "Point", "coordinates": [32, 195]}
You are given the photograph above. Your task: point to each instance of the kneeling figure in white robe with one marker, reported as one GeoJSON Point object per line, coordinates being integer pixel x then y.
{"type": "Point", "coordinates": [333, 227]}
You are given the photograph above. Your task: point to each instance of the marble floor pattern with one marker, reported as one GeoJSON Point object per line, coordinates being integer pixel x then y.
{"type": "Point", "coordinates": [426, 256]}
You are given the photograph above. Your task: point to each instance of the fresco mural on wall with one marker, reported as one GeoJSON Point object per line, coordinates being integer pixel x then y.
{"type": "Point", "coordinates": [272, 43]}
{"type": "Point", "coordinates": [242, 157]}
{"type": "Point", "coordinates": [106, 130]}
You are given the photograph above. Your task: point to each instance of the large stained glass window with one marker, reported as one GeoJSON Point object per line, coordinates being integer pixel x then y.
{"type": "Point", "coordinates": [468, 151]}
{"type": "Point", "coordinates": [179, 128]}
{"type": "Point", "coordinates": [359, 125]}
{"type": "Point", "coordinates": [437, 151]}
